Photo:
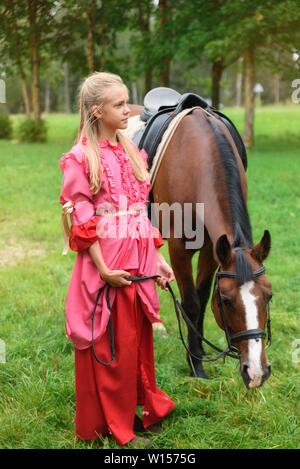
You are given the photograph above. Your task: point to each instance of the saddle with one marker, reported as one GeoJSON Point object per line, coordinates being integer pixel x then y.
{"type": "Point", "coordinates": [161, 105]}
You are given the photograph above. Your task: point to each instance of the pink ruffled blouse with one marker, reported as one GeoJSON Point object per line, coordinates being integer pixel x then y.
{"type": "Point", "coordinates": [127, 239]}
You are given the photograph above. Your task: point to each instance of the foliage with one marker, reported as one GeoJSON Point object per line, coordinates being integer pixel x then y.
{"type": "Point", "coordinates": [131, 39]}
{"type": "Point", "coordinates": [31, 131]}
{"type": "Point", "coordinates": [5, 126]}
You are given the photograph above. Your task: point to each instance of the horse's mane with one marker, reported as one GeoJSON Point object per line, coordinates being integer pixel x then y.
{"type": "Point", "coordinates": [240, 218]}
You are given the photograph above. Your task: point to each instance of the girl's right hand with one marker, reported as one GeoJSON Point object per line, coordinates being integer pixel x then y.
{"type": "Point", "coordinates": [116, 278]}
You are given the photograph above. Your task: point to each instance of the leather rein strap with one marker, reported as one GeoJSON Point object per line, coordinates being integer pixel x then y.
{"type": "Point", "coordinates": [231, 351]}
{"type": "Point", "coordinates": [133, 278]}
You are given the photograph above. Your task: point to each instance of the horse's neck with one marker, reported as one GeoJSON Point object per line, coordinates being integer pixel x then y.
{"type": "Point", "coordinates": [217, 223]}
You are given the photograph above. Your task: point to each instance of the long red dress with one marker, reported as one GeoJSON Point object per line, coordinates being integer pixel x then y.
{"type": "Point", "coordinates": [107, 396]}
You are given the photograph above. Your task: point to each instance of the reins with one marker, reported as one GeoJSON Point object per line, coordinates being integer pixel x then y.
{"type": "Point", "coordinates": [133, 278]}
{"type": "Point", "coordinates": [179, 309]}
{"type": "Point", "coordinates": [231, 350]}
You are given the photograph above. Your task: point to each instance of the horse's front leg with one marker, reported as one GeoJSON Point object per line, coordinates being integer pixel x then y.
{"type": "Point", "coordinates": [181, 260]}
{"type": "Point", "coordinates": [205, 270]}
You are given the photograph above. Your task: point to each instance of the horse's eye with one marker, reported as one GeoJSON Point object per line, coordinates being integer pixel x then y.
{"type": "Point", "coordinates": [269, 297]}
{"type": "Point", "coordinates": [226, 301]}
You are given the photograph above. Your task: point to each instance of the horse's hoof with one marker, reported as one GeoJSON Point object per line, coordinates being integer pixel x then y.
{"type": "Point", "coordinates": [198, 372]}
{"type": "Point", "coordinates": [201, 375]}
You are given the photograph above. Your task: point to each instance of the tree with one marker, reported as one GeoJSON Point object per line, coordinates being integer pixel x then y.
{"type": "Point", "coordinates": [89, 7]}
{"type": "Point", "coordinates": [143, 45]}
{"type": "Point", "coordinates": [255, 25]}
{"type": "Point", "coordinates": [30, 21]}
{"type": "Point", "coordinates": [203, 30]}
{"type": "Point", "coordinates": [12, 45]}
{"type": "Point", "coordinates": [225, 30]}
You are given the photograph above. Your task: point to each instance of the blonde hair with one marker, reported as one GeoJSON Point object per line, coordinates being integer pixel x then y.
{"type": "Point", "coordinates": [93, 91]}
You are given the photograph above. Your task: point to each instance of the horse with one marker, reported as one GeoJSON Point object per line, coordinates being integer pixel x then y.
{"type": "Point", "coordinates": [201, 164]}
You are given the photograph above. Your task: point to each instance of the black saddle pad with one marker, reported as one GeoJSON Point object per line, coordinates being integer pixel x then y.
{"type": "Point", "coordinates": [158, 122]}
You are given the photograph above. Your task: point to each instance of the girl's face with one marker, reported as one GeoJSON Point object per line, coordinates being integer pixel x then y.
{"type": "Point", "coordinates": [115, 112]}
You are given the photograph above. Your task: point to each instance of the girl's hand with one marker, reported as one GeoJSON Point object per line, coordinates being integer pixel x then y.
{"type": "Point", "coordinates": [166, 272]}
{"type": "Point", "coordinates": [116, 278]}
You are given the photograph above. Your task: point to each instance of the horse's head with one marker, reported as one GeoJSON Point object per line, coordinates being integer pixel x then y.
{"type": "Point", "coordinates": [240, 304]}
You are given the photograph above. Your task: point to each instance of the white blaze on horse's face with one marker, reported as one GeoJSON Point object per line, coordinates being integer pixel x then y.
{"type": "Point", "coordinates": [254, 370]}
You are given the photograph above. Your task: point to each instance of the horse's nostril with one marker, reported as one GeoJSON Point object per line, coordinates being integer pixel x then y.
{"type": "Point", "coordinates": [245, 376]}
{"type": "Point", "coordinates": [268, 373]}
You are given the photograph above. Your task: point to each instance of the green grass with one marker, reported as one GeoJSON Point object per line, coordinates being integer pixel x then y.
{"type": "Point", "coordinates": [37, 394]}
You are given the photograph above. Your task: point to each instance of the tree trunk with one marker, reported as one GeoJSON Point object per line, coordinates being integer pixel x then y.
{"type": "Point", "coordinates": [102, 37]}
{"type": "Point", "coordinates": [249, 97]}
{"type": "Point", "coordinates": [25, 95]}
{"type": "Point", "coordinates": [164, 75]}
{"type": "Point", "coordinates": [34, 56]}
{"type": "Point", "coordinates": [134, 94]}
{"type": "Point", "coordinates": [35, 93]}
{"type": "Point", "coordinates": [164, 72]}
{"type": "Point", "coordinates": [276, 89]}
{"type": "Point", "coordinates": [217, 69]}
{"type": "Point", "coordinates": [144, 21]}
{"type": "Point", "coordinates": [148, 80]}
{"type": "Point", "coordinates": [47, 96]}
{"type": "Point", "coordinates": [19, 60]}
{"type": "Point", "coordinates": [238, 84]}
{"type": "Point", "coordinates": [67, 88]}
{"type": "Point", "coordinates": [90, 11]}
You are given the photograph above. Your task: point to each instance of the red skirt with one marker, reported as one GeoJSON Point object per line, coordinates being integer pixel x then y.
{"type": "Point", "coordinates": [107, 396]}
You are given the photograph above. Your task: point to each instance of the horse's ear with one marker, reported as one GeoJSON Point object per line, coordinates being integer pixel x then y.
{"type": "Point", "coordinates": [261, 250]}
{"type": "Point", "coordinates": [223, 250]}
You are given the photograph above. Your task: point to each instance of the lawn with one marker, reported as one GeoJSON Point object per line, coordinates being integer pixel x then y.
{"type": "Point", "coordinates": [37, 394]}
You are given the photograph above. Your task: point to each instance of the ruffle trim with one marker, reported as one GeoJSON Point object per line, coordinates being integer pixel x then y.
{"type": "Point", "coordinates": [83, 236]}
{"type": "Point", "coordinates": [78, 159]}
{"type": "Point", "coordinates": [128, 180]}
{"type": "Point", "coordinates": [110, 178]}
{"type": "Point", "coordinates": [106, 143]}
{"type": "Point", "coordinates": [129, 183]}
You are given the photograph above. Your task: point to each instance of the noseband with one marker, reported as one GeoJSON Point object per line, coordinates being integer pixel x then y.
{"type": "Point", "coordinates": [249, 334]}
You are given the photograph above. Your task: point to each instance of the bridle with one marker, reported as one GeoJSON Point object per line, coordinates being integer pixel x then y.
{"type": "Point", "coordinates": [230, 351]}
{"type": "Point", "coordinates": [249, 334]}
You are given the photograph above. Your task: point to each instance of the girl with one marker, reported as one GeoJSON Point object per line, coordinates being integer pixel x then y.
{"type": "Point", "coordinates": [105, 190]}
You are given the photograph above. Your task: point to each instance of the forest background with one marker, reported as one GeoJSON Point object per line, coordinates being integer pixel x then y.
{"type": "Point", "coordinates": [224, 50]}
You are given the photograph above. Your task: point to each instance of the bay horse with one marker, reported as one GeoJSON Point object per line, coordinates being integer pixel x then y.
{"type": "Point", "coordinates": [201, 164]}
